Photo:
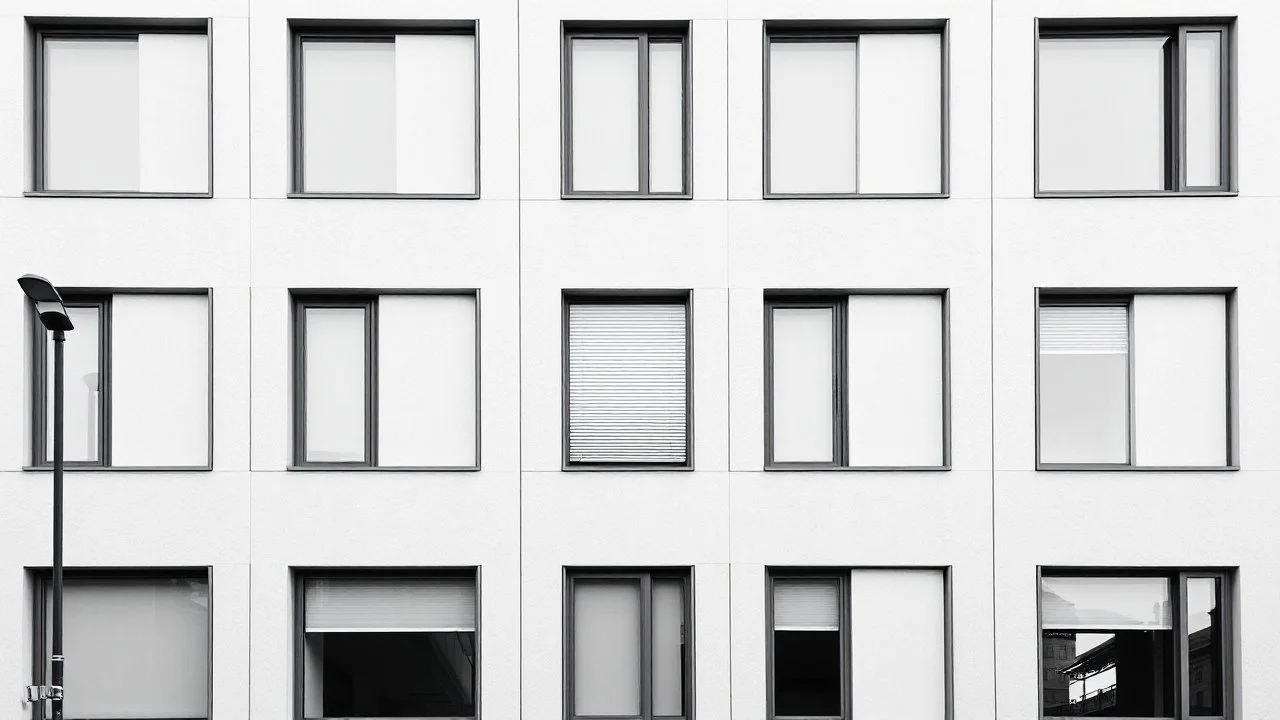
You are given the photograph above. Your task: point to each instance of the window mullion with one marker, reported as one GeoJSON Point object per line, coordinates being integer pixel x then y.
{"type": "Point", "coordinates": [104, 382]}
{"type": "Point", "coordinates": [642, 74]}
{"type": "Point", "coordinates": [1181, 644]}
{"type": "Point", "coordinates": [1132, 387]}
{"type": "Point", "coordinates": [840, 371]}
{"type": "Point", "coordinates": [1179, 105]}
{"type": "Point", "coordinates": [371, 382]}
{"type": "Point", "coordinates": [646, 646]}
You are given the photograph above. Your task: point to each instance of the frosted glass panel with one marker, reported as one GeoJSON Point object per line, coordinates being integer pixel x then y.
{"type": "Point", "coordinates": [1101, 113]}
{"type": "Point", "coordinates": [666, 117]}
{"type": "Point", "coordinates": [900, 113]}
{"type": "Point", "coordinates": [668, 647]}
{"type": "Point", "coordinates": [813, 101]}
{"type": "Point", "coordinates": [606, 114]}
{"type": "Point", "coordinates": [435, 105]}
{"type": "Point", "coordinates": [82, 396]}
{"type": "Point", "coordinates": [1105, 603]}
{"type": "Point", "coordinates": [1204, 108]}
{"type": "Point", "coordinates": [91, 114]}
{"type": "Point", "coordinates": [803, 378]}
{"type": "Point", "coordinates": [349, 116]}
{"type": "Point", "coordinates": [802, 604]}
{"type": "Point", "coordinates": [606, 647]}
{"type": "Point", "coordinates": [1084, 384]}
{"type": "Point", "coordinates": [335, 384]}
{"type": "Point", "coordinates": [390, 604]}
{"type": "Point", "coordinates": [888, 658]}
{"type": "Point", "coordinates": [160, 388]}
{"type": "Point", "coordinates": [174, 112]}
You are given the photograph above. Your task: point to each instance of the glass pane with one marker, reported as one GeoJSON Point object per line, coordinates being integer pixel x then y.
{"type": "Point", "coordinates": [1204, 106]}
{"type": "Point", "coordinates": [806, 673]}
{"type": "Point", "coordinates": [803, 379]}
{"type": "Point", "coordinates": [349, 116]}
{"type": "Point", "coordinates": [1127, 673]}
{"type": "Point", "coordinates": [605, 120]}
{"type": "Point", "coordinates": [173, 112]}
{"type": "Point", "coordinates": [1204, 646]}
{"type": "Point", "coordinates": [813, 117]}
{"type": "Point", "coordinates": [666, 117]}
{"type": "Point", "coordinates": [900, 113]}
{"type": "Point", "coordinates": [82, 396]}
{"type": "Point", "coordinates": [435, 113]}
{"type": "Point", "coordinates": [91, 114]}
{"type": "Point", "coordinates": [1084, 384]}
{"type": "Point", "coordinates": [335, 384]}
{"type": "Point", "coordinates": [1105, 603]}
{"type": "Point", "coordinates": [668, 647]}
{"type": "Point", "coordinates": [383, 674]}
{"type": "Point", "coordinates": [606, 647]}
{"type": "Point", "coordinates": [1101, 113]}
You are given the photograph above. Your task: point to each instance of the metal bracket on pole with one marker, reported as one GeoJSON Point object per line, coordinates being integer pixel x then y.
{"type": "Point", "coordinates": [36, 693]}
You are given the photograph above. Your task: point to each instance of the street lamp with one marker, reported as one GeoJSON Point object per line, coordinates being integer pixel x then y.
{"type": "Point", "coordinates": [53, 315]}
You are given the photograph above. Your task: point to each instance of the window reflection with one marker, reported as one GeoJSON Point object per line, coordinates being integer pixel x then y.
{"type": "Point", "coordinates": [1109, 674]}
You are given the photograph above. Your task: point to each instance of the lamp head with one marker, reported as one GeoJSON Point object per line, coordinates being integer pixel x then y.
{"type": "Point", "coordinates": [49, 307]}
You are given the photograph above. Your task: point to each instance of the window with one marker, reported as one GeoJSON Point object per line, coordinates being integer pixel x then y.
{"type": "Point", "coordinates": [855, 380]}
{"type": "Point", "coordinates": [383, 646]}
{"type": "Point", "coordinates": [852, 111]}
{"type": "Point", "coordinates": [1129, 642]}
{"type": "Point", "coordinates": [1134, 380]}
{"type": "Point", "coordinates": [837, 647]}
{"type": "Point", "coordinates": [388, 380]}
{"type": "Point", "coordinates": [628, 645]}
{"type": "Point", "coordinates": [137, 389]}
{"type": "Point", "coordinates": [626, 110]}
{"type": "Point", "coordinates": [627, 394]}
{"type": "Point", "coordinates": [1133, 108]}
{"type": "Point", "coordinates": [386, 110]}
{"type": "Point", "coordinates": [138, 644]}
{"type": "Point", "coordinates": [123, 109]}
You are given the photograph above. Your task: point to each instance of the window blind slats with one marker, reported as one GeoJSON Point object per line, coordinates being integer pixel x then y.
{"type": "Point", "coordinates": [390, 605]}
{"type": "Point", "coordinates": [1084, 329]}
{"type": "Point", "coordinates": [802, 604]}
{"type": "Point", "coordinates": [627, 383]}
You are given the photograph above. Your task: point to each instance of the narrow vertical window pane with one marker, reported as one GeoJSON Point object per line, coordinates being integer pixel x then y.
{"type": "Point", "coordinates": [1204, 646]}
{"type": "Point", "coordinates": [348, 116]}
{"type": "Point", "coordinates": [91, 114]}
{"type": "Point", "coordinates": [813, 101]}
{"type": "Point", "coordinates": [82, 396]}
{"type": "Point", "coordinates": [1101, 113]}
{"type": "Point", "coordinates": [174, 112]}
{"type": "Point", "coordinates": [666, 117]}
{"type": "Point", "coordinates": [668, 647]}
{"type": "Point", "coordinates": [803, 385]}
{"type": "Point", "coordinates": [1084, 384]}
{"type": "Point", "coordinates": [806, 648]}
{"type": "Point", "coordinates": [606, 647]}
{"type": "Point", "coordinates": [605, 114]}
{"type": "Point", "coordinates": [435, 106]}
{"type": "Point", "coordinates": [335, 384]}
{"type": "Point", "coordinates": [1204, 108]}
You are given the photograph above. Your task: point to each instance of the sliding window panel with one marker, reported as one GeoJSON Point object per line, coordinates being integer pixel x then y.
{"type": "Point", "coordinates": [813, 117]}
{"type": "Point", "coordinates": [435, 114]}
{"type": "Point", "coordinates": [605, 114]}
{"type": "Point", "coordinates": [82, 393]}
{"type": "Point", "coordinates": [895, 380]}
{"type": "Point", "coordinates": [1206, 634]}
{"type": "Point", "coordinates": [804, 384]}
{"type": "Point", "coordinates": [607, 652]}
{"type": "Point", "coordinates": [173, 112]}
{"type": "Point", "coordinates": [91, 114]}
{"type": "Point", "coordinates": [1084, 384]}
{"type": "Point", "coordinates": [336, 362]}
{"type": "Point", "coordinates": [1203, 128]}
{"type": "Point", "coordinates": [886, 656]}
{"type": "Point", "coordinates": [666, 117]}
{"type": "Point", "coordinates": [900, 113]}
{"type": "Point", "coordinates": [1101, 113]}
{"type": "Point", "coordinates": [348, 116]}
{"type": "Point", "coordinates": [160, 380]}
{"type": "Point", "coordinates": [668, 647]}
{"type": "Point", "coordinates": [808, 665]}
{"type": "Point", "coordinates": [1180, 378]}
{"type": "Point", "coordinates": [427, 380]}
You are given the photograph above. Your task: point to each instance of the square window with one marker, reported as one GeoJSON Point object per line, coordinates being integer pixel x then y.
{"type": "Point", "coordinates": [626, 110]}
{"type": "Point", "coordinates": [123, 109]}
{"type": "Point", "coordinates": [1133, 108]}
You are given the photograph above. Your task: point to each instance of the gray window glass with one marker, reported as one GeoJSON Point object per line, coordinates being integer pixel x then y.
{"type": "Point", "coordinates": [82, 394]}
{"type": "Point", "coordinates": [336, 356]}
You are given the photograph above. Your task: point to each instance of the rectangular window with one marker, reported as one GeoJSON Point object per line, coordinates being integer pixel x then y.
{"type": "Point", "coordinates": [1146, 644]}
{"type": "Point", "coordinates": [386, 111]}
{"type": "Point", "coordinates": [837, 650]}
{"type": "Point", "coordinates": [626, 110]}
{"type": "Point", "coordinates": [853, 111]}
{"type": "Point", "coordinates": [855, 381]}
{"type": "Point", "coordinates": [1108, 394]}
{"type": "Point", "coordinates": [123, 109]}
{"type": "Point", "coordinates": [628, 645]}
{"type": "Point", "coordinates": [137, 389]}
{"type": "Point", "coordinates": [1133, 108]}
{"type": "Point", "coordinates": [387, 380]}
{"type": "Point", "coordinates": [627, 393]}
{"type": "Point", "coordinates": [384, 646]}
{"type": "Point", "coordinates": [123, 631]}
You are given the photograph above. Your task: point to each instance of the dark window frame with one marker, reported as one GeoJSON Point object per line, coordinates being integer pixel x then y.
{"type": "Point", "coordinates": [1175, 141]}
{"type": "Point", "coordinates": [40, 29]}
{"type": "Point", "coordinates": [842, 577]}
{"type": "Point", "coordinates": [645, 33]}
{"type": "Point", "coordinates": [371, 31]}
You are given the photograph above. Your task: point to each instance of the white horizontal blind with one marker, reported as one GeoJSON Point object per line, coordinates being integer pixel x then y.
{"type": "Point", "coordinates": [1084, 329]}
{"type": "Point", "coordinates": [390, 605]}
{"type": "Point", "coordinates": [813, 116]}
{"type": "Point", "coordinates": [628, 369]}
{"type": "Point", "coordinates": [898, 633]}
{"type": "Point", "coordinates": [1105, 603]}
{"type": "Point", "coordinates": [804, 604]}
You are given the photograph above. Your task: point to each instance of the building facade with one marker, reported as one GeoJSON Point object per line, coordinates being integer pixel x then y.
{"type": "Point", "coordinates": [667, 359]}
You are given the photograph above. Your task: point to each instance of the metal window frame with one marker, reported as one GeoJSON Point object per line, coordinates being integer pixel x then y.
{"type": "Point", "coordinates": [102, 299]}
{"type": "Point", "coordinates": [1065, 297]}
{"type": "Point", "coordinates": [1175, 107]}
{"type": "Point", "coordinates": [41, 577]}
{"type": "Point", "coordinates": [625, 297]}
{"type": "Point", "coordinates": [849, 31]}
{"type": "Point", "coordinates": [643, 577]}
{"type": "Point", "coordinates": [644, 33]}
{"type": "Point", "coordinates": [303, 298]}
{"type": "Point", "coordinates": [298, 577]}
{"type": "Point", "coordinates": [58, 28]}
{"type": "Point", "coordinates": [838, 300]}
{"type": "Point", "coordinates": [373, 31]}
{"type": "Point", "coordinates": [1177, 578]}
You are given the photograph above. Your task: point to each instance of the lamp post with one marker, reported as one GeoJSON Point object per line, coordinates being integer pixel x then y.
{"type": "Point", "coordinates": [53, 316]}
